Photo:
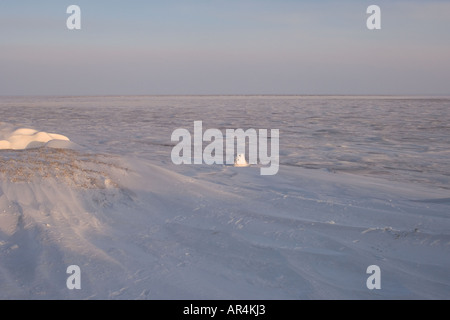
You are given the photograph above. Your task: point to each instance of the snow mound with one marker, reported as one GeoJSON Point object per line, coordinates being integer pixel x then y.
{"type": "Point", "coordinates": [25, 138]}
{"type": "Point", "coordinates": [240, 161]}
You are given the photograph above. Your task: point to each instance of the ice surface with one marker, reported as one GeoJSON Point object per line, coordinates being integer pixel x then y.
{"type": "Point", "coordinates": [362, 181]}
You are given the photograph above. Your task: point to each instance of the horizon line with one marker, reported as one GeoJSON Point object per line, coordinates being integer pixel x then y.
{"type": "Point", "coordinates": [230, 95]}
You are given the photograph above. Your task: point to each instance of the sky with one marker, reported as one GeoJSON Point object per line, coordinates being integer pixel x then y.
{"type": "Point", "coordinates": [224, 47]}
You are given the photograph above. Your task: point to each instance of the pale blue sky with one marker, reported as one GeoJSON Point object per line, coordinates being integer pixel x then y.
{"type": "Point", "coordinates": [224, 47]}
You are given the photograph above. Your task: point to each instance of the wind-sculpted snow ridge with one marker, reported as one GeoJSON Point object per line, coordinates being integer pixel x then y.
{"type": "Point", "coordinates": [75, 168]}
{"type": "Point", "coordinates": [54, 203]}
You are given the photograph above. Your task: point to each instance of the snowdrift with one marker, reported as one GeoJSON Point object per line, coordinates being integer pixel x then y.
{"type": "Point", "coordinates": [25, 138]}
{"type": "Point", "coordinates": [141, 231]}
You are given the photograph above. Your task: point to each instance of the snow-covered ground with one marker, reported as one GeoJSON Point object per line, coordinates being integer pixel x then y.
{"type": "Point", "coordinates": [362, 181]}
